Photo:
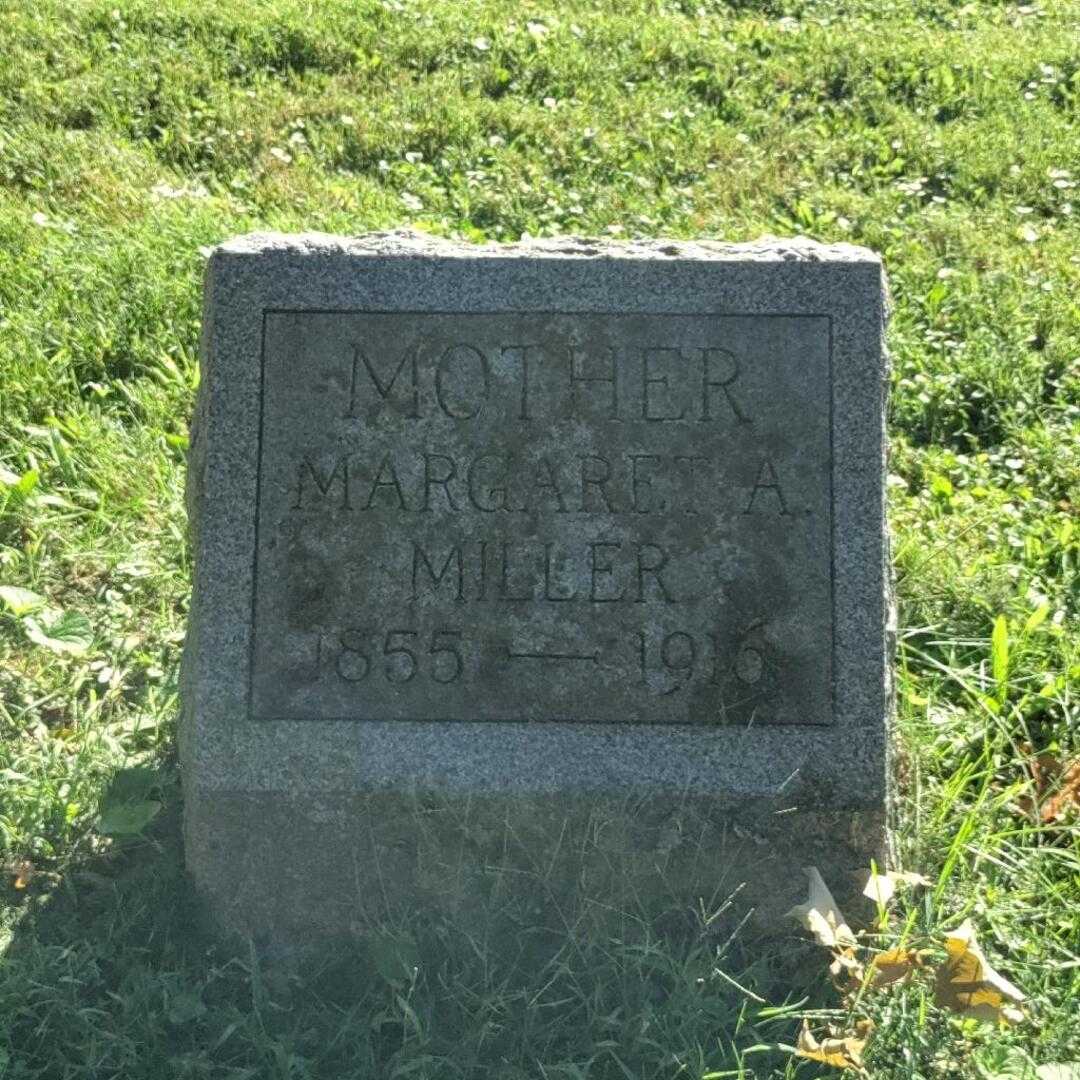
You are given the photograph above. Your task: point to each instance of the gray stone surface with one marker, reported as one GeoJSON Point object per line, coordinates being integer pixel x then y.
{"type": "Point", "coordinates": [516, 539]}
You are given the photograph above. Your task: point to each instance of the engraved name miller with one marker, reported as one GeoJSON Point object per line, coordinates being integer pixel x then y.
{"type": "Point", "coordinates": [596, 517]}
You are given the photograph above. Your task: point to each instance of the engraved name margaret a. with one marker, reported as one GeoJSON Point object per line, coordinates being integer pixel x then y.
{"type": "Point", "coordinates": [492, 481]}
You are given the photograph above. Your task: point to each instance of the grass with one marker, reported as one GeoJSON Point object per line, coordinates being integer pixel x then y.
{"type": "Point", "coordinates": [133, 135]}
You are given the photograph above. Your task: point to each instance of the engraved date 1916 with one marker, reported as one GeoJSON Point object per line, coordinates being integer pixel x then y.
{"type": "Point", "coordinates": [681, 658]}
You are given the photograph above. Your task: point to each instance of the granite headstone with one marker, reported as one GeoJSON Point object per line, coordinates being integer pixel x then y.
{"type": "Point", "coordinates": [503, 541]}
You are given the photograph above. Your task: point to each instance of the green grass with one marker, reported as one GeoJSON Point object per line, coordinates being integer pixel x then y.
{"type": "Point", "coordinates": [135, 134]}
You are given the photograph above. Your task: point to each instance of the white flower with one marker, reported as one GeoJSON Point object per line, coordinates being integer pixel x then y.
{"type": "Point", "coordinates": [481, 44]}
{"type": "Point", "coordinates": [163, 190]}
{"type": "Point", "coordinates": [413, 202]}
{"type": "Point", "coordinates": [42, 222]}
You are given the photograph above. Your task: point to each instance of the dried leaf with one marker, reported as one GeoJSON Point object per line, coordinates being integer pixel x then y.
{"type": "Point", "coordinates": [894, 966]}
{"type": "Point", "coordinates": [847, 970]}
{"type": "Point", "coordinates": [1043, 768]}
{"type": "Point", "coordinates": [880, 887]}
{"type": "Point", "coordinates": [1057, 788]}
{"type": "Point", "coordinates": [821, 916]}
{"type": "Point", "coordinates": [968, 985]}
{"type": "Point", "coordinates": [1066, 799]}
{"type": "Point", "coordinates": [843, 1052]}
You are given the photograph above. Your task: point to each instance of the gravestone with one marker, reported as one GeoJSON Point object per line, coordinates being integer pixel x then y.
{"type": "Point", "coordinates": [561, 558]}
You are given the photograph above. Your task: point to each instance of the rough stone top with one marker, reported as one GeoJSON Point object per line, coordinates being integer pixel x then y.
{"type": "Point", "coordinates": [409, 243]}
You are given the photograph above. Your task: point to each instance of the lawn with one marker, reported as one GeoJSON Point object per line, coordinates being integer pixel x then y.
{"type": "Point", "coordinates": [136, 135]}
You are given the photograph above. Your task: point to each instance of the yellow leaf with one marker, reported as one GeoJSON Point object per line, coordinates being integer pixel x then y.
{"type": "Point", "coordinates": [821, 916]}
{"type": "Point", "coordinates": [880, 887]}
{"type": "Point", "coordinates": [893, 966]}
{"type": "Point", "coordinates": [968, 985]}
{"type": "Point", "coordinates": [843, 1052]}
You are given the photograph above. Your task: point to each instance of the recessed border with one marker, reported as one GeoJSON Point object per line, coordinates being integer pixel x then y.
{"type": "Point", "coordinates": [250, 716]}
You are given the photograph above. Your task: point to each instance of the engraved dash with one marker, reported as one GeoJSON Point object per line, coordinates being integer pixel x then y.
{"type": "Point", "coordinates": [594, 657]}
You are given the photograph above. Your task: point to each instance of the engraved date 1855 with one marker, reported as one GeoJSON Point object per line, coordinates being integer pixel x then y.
{"type": "Point", "coordinates": [398, 656]}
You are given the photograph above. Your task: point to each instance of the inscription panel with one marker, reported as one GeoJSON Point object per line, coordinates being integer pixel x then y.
{"type": "Point", "coordinates": [541, 517]}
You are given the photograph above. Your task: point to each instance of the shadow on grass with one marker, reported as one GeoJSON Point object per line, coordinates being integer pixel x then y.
{"type": "Point", "coordinates": [114, 970]}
